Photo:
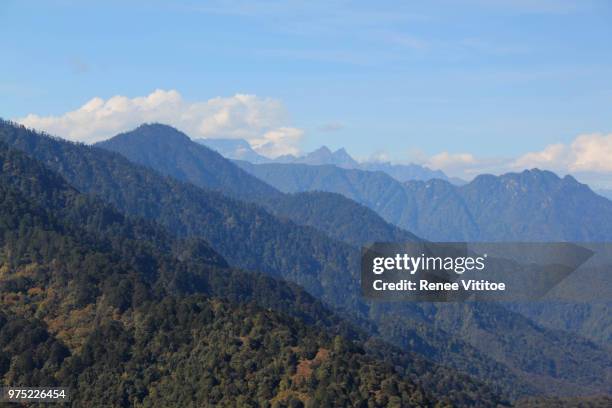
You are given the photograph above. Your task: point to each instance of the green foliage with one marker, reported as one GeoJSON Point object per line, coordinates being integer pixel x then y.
{"type": "Point", "coordinates": [252, 238]}
{"type": "Point", "coordinates": [127, 315]}
{"type": "Point", "coordinates": [337, 216]}
{"type": "Point", "coordinates": [172, 153]}
{"type": "Point", "coordinates": [530, 206]}
{"type": "Point", "coordinates": [435, 205]}
{"type": "Point", "coordinates": [248, 235]}
{"type": "Point", "coordinates": [533, 205]}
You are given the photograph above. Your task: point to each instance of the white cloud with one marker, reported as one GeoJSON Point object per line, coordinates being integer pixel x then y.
{"type": "Point", "coordinates": [592, 153]}
{"type": "Point", "coordinates": [588, 156]}
{"type": "Point", "coordinates": [263, 122]}
{"type": "Point", "coordinates": [550, 157]}
{"type": "Point", "coordinates": [587, 153]}
{"type": "Point", "coordinates": [464, 165]}
{"type": "Point", "coordinates": [448, 160]}
{"type": "Point", "coordinates": [278, 141]}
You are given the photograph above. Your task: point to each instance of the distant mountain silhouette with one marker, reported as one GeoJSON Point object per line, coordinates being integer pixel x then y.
{"type": "Point", "coordinates": [239, 149]}
{"type": "Point", "coordinates": [322, 155]}
{"type": "Point", "coordinates": [534, 205]}
{"type": "Point", "coordinates": [172, 153]}
{"type": "Point", "coordinates": [336, 216]}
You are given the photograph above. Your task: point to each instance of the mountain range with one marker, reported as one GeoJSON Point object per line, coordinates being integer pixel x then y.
{"type": "Point", "coordinates": [238, 149]}
{"type": "Point", "coordinates": [309, 239]}
{"type": "Point", "coordinates": [534, 205]}
{"type": "Point", "coordinates": [331, 216]}
{"type": "Point", "coordinates": [249, 236]}
{"type": "Point", "coordinates": [172, 153]}
{"type": "Point", "coordinates": [125, 314]}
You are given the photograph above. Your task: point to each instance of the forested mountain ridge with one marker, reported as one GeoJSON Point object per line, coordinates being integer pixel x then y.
{"type": "Point", "coordinates": [140, 190]}
{"type": "Point", "coordinates": [538, 205]}
{"type": "Point", "coordinates": [376, 190]}
{"type": "Point", "coordinates": [533, 205]}
{"type": "Point", "coordinates": [343, 219]}
{"type": "Point", "coordinates": [186, 160]}
{"type": "Point", "coordinates": [248, 236]}
{"type": "Point", "coordinates": [339, 217]}
{"type": "Point", "coordinates": [125, 314]}
{"type": "Point", "coordinates": [172, 153]}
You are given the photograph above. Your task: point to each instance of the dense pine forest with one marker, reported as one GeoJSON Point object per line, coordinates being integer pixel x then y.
{"type": "Point", "coordinates": [125, 314]}
{"type": "Point", "coordinates": [103, 257]}
{"type": "Point", "coordinates": [306, 204]}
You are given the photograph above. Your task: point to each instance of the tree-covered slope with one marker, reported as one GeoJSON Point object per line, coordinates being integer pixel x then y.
{"type": "Point", "coordinates": [197, 351]}
{"type": "Point", "coordinates": [374, 189]}
{"type": "Point", "coordinates": [172, 153]}
{"type": "Point", "coordinates": [537, 205]}
{"type": "Point", "coordinates": [530, 206]}
{"type": "Point", "coordinates": [125, 315]}
{"type": "Point", "coordinates": [247, 235]}
{"type": "Point", "coordinates": [533, 205]}
{"type": "Point", "coordinates": [345, 220]}
{"type": "Point", "coordinates": [339, 217]}
{"type": "Point", "coordinates": [251, 237]}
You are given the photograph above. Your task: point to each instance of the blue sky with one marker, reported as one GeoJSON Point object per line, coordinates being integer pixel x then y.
{"type": "Point", "coordinates": [494, 80]}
